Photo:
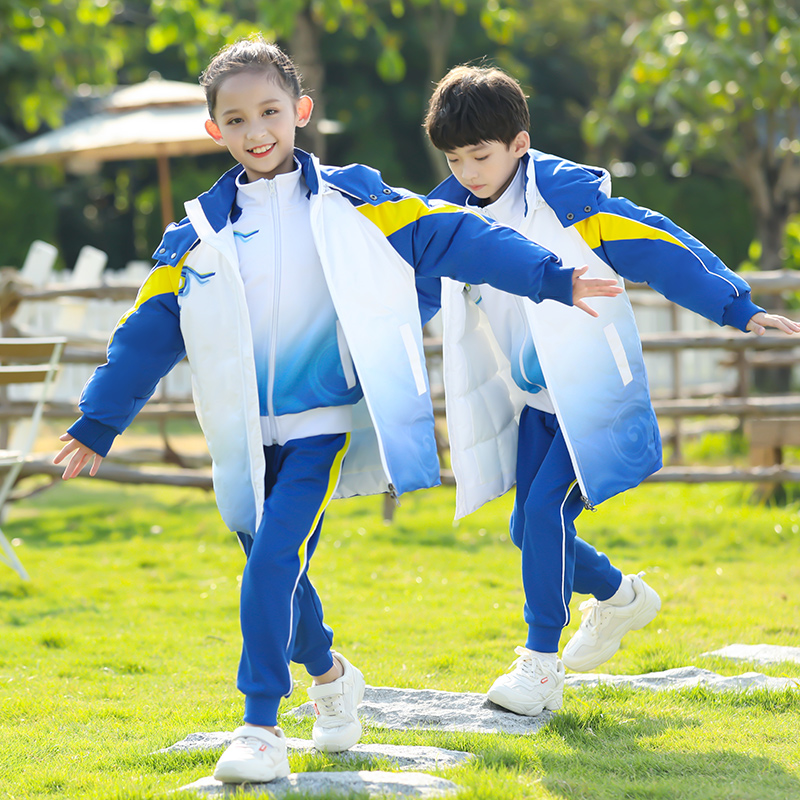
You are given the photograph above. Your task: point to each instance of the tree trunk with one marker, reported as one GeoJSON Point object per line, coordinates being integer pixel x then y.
{"type": "Point", "coordinates": [771, 231]}
{"type": "Point", "coordinates": [437, 26]}
{"type": "Point", "coordinates": [304, 47]}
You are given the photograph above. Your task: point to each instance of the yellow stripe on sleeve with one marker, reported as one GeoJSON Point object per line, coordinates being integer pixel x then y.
{"type": "Point", "coordinates": [601, 228]}
{"type": "Point", "coordinates": [391, 216]}
{"type": "Point", "coordinates": [163, 280]}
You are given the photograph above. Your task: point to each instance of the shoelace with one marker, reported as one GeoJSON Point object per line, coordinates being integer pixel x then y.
{"type": "Point", "coordinates": [593, 611]}
{"type": "Point", "coordinates": [332, 706]}
{"type": "Point", "coordinates": [530, 666]}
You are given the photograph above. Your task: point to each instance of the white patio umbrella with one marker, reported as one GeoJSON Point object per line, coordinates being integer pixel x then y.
{"type": "Point", "coordinates": [154, 119]}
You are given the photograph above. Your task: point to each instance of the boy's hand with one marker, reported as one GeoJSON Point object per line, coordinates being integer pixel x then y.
{"type": "Point", "coordinates": [81, 455]}
{"type": "Point", "coordinates": [591, 287]}
{"type": "Point", "coordinates": [761, 321]}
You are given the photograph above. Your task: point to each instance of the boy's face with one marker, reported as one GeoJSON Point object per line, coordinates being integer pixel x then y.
{"type": "Point", "coordinates": [487, 168]}
{"type": "Point", "coordinates": [255, 118]}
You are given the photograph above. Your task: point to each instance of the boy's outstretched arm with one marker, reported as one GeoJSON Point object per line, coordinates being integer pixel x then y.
{"type": "Point", "coordinates": [81, 455]}
{"type": "Point", "coordinates": [759, 323]}
{"type": "Point", "coordinates": [644, 246]}
{"type": "Point", "coordinates": [591, 287]}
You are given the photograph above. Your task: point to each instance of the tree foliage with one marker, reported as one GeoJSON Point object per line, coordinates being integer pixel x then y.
{"type": "Point", "coordinates": [49, 50]}
{"type": "Point", "coordinates": [369, 64]}
{"type": "Point", "coordinates": [721, 82]}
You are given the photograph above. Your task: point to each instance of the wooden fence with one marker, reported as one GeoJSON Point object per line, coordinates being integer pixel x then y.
{"type": "Point", "coordinates": [679, 403]}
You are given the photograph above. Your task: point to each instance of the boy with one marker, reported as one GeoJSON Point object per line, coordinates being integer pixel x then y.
{"type": "Point", "coordinates": [290, 287]}
{"type": "Point", "coordinates": [577, 384]}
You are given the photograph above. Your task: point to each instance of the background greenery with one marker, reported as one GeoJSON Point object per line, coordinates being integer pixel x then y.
{"type": "Point", "coordinates": [654, 89]}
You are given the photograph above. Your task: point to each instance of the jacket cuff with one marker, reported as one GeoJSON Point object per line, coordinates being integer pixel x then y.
{"type": "Point", "coordinates": [738, 313]}
{"type": "Point", "coordinates": [94, 435]}
{"type": "Point", "coordinates": [556, 284]}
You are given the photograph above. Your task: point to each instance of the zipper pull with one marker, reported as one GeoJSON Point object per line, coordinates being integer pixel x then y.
{"type": "Point", "coordinates": [473, 292]}
{"type": "Point", "coordinates": [393, 494]}
{"type": "Point", "coordinates": [587, 505]}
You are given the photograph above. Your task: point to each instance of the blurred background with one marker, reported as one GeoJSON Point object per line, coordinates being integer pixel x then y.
{"type": "Point", "coordinates": [692, 104]}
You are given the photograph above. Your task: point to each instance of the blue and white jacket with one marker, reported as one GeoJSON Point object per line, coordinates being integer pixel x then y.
{"type": "Point", "coordinates": [374, 242]}
{"type": "Point", "coordinates": [593, 369]}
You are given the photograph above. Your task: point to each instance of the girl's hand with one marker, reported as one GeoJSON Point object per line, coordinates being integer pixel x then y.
{"type": "Point", "coordinates": [81, 455]}
{"type": "Point", "coordinates": [761, 321]}
{"type": "Point", "coordinates": [591, 287]}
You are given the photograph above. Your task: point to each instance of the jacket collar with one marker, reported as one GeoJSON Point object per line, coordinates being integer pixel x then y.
{"type": "Point", "coordinates": [218, 206]}
{"type": "Point", "coordinates": [570, 189]}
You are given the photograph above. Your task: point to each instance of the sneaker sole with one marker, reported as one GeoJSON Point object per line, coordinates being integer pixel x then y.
{"type": "Point", "coordinates": [641, 620]}
{"type": "Point", "coordinates": [500, 698]}
{"type": "Point", "coordinates": [339, 745]}
{"type": "Point", "coordinates": [246, 773]}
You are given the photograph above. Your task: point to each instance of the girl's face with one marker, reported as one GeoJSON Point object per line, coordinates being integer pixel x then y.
{"type": "Point", "coordinates": [255, 118]}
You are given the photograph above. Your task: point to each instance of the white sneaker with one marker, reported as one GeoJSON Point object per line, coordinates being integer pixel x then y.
{"type": "Point", "coordinates": [255, 755]}
{"type": "Point", "coordinates": [604, 625]}
{"type": "Point", "coordinates": [530, 686]}
{"type": "Point", "coordinates": [337, 726]}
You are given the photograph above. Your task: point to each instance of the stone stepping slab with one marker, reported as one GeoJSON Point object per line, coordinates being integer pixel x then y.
{"type": "Point", "coordinates": [688, 677]}
{"type": "Point", "coordinates": [409, 709]}
{"type": "Point", "coordinates": [372, 783]}
{"type": "Point", "coordinates": [404, 757]}
{"type": "Point", "coordinates": [428, 709]}
{"type": "Point", "coordinates": [758, 653]}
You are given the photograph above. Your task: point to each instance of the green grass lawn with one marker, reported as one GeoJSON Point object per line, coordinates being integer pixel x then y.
{"type": "Point", "coordinates": [127, 639]}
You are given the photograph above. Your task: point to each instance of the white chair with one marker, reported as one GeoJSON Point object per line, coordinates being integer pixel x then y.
{"type": "Point", "coordinates": [89, 266]}
{"type": "Point", "coordinates": [88, 271]}
{"type": "Point", "coordinates": [24, 361]}
{"type": "Point", "coordinates": [32, 315]}
{"type": "Point", "coordinates": [76, 318]}
{"type": "Point", "coordinates": [38, 265]}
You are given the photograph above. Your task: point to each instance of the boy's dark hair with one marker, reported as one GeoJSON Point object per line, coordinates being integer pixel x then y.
{"type": "Point", "coordinates": [252, 54]}
{"type": "Point", "coordinates": [472, 104]}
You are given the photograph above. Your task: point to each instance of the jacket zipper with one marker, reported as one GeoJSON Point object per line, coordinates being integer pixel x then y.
{"type": "Point", "coordinates": [276, 286]}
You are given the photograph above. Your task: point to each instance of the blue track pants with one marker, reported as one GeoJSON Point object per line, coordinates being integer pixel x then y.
{"type": "Point", "coordinates": [554, 560]}
{"type": "Point", "coordinates": [281, 613]}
